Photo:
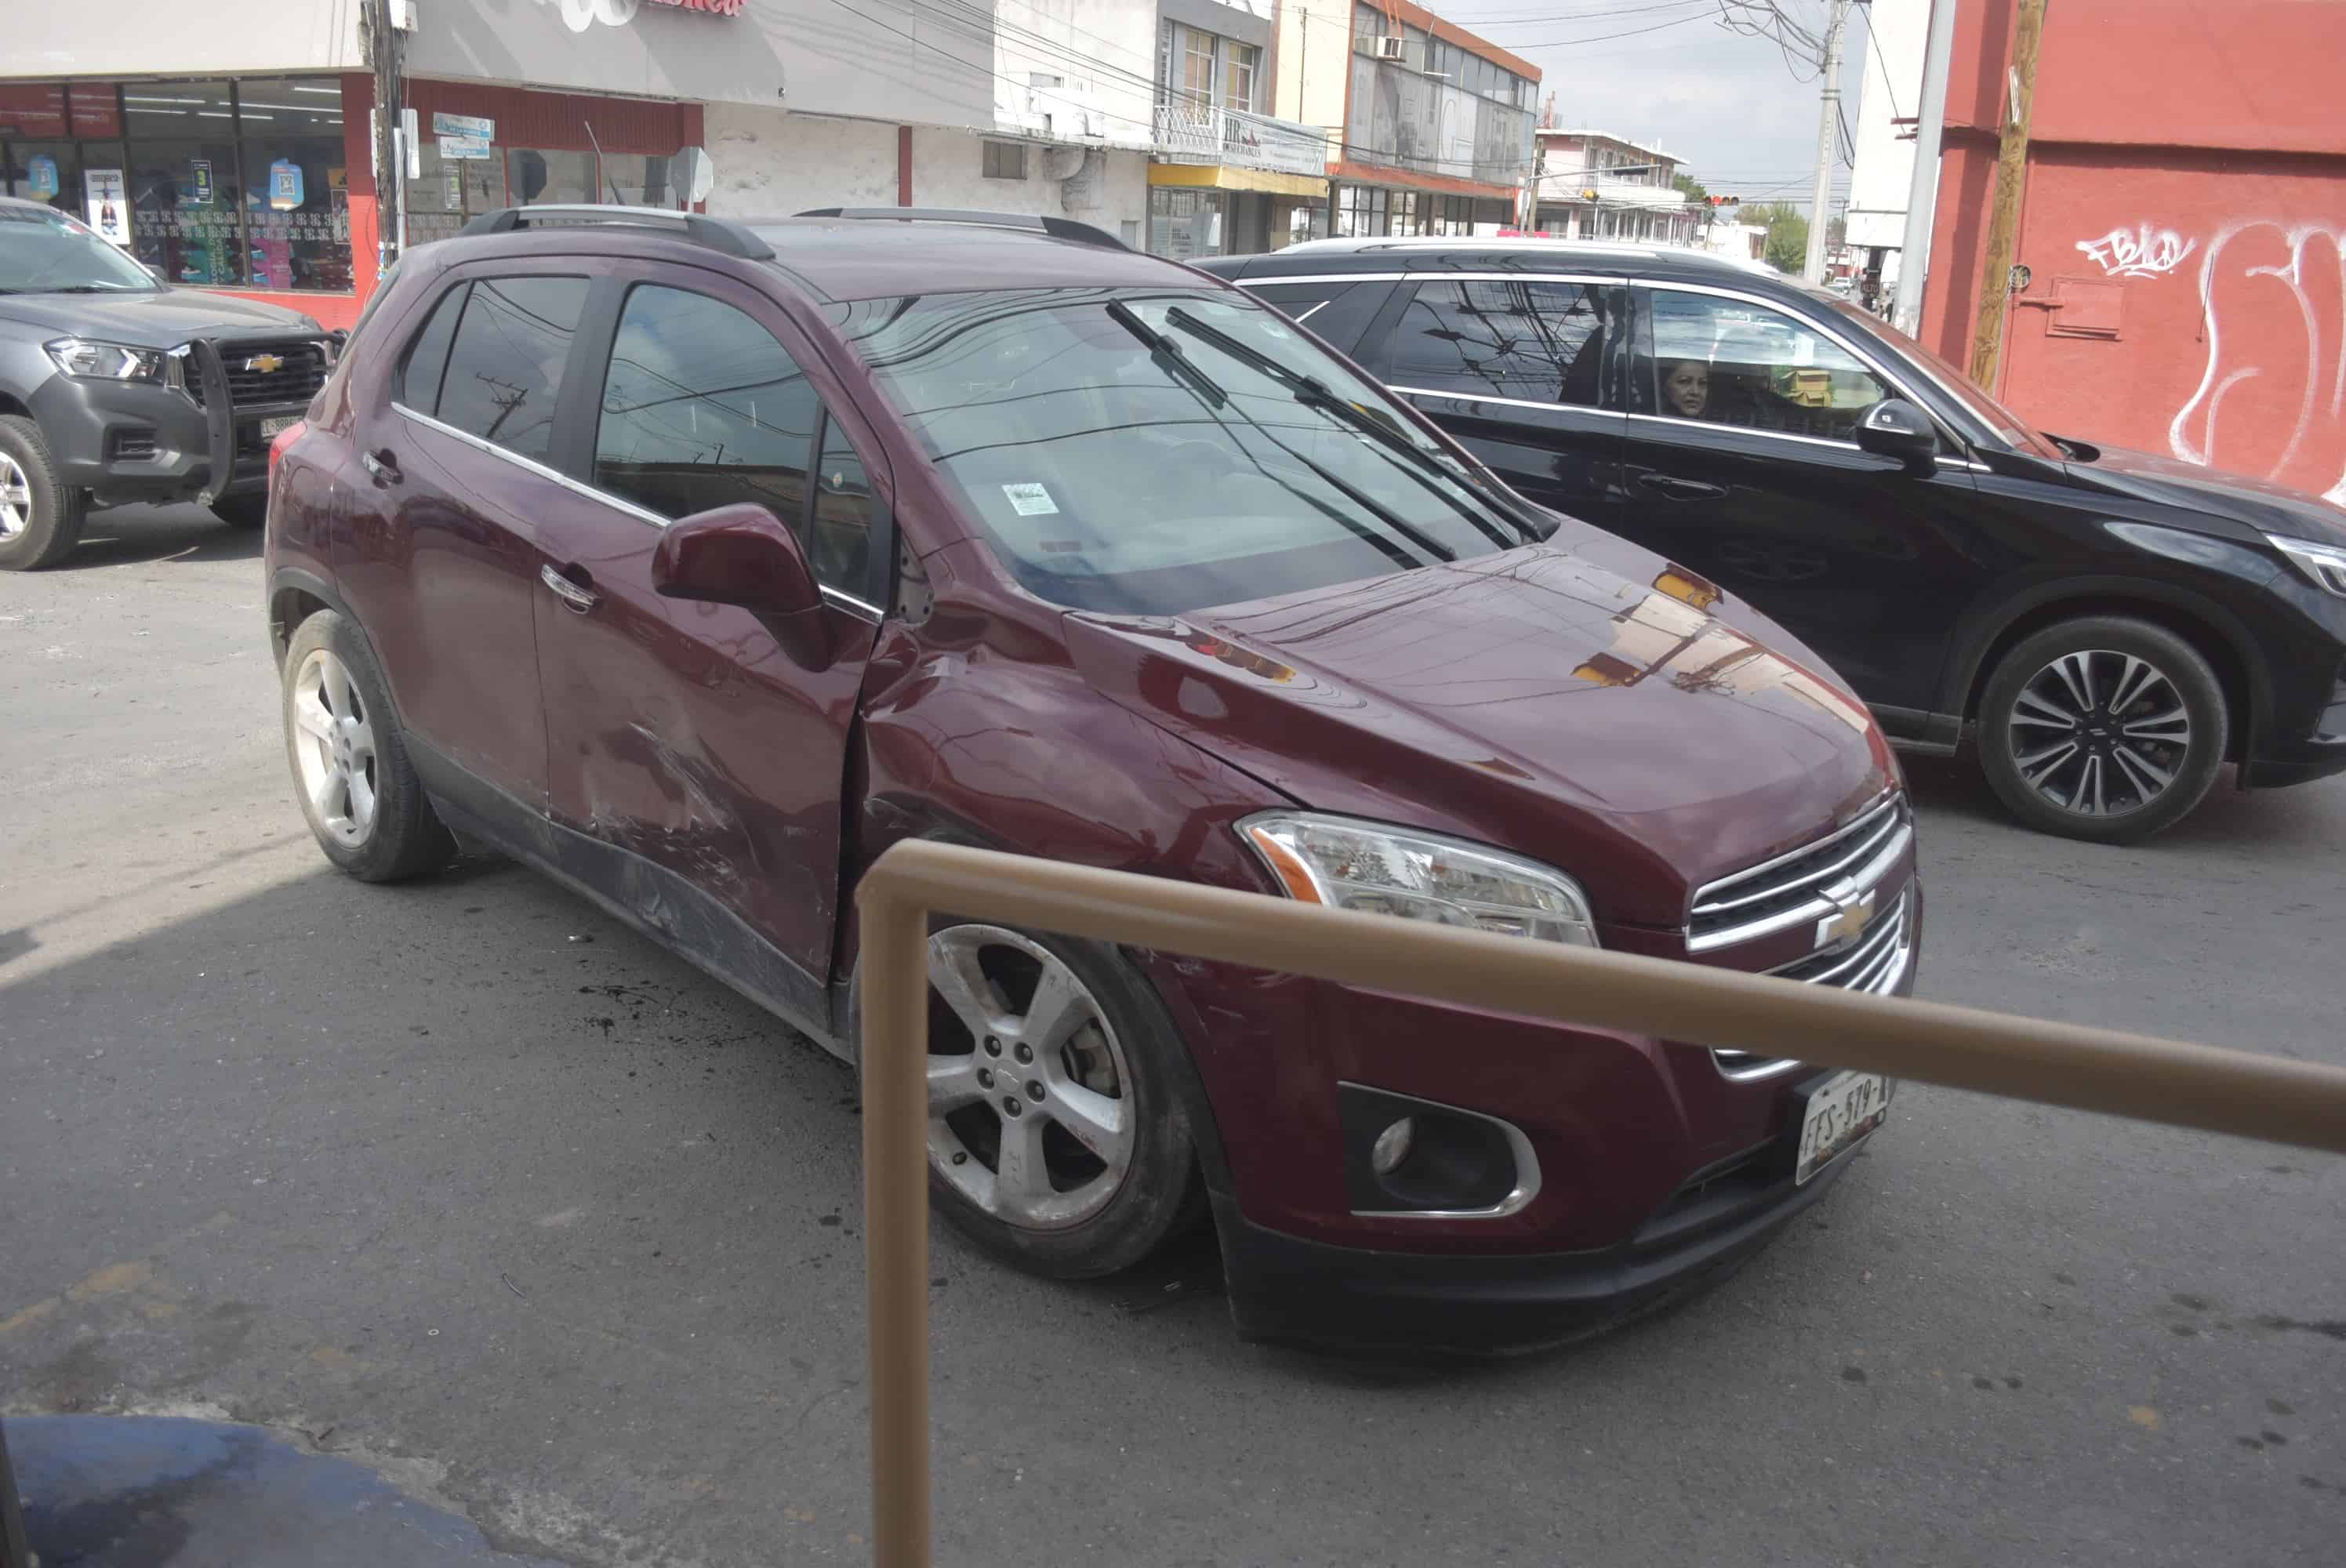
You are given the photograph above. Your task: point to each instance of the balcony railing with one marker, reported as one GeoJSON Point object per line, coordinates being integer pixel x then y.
{"type": "Point", "coordinates": [1198, 133]}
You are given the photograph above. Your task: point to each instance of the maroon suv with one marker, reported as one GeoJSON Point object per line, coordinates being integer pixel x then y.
{"type": "Point", "coordinates": [696, 564]}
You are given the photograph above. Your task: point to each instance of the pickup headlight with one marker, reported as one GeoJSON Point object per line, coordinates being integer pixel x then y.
{"type": "Point", "coordinates": [105, 361]}
{"type": "Point", "coordinates": [2325, 564]}
{"type": "Point", "coordinates": [1354, 865]}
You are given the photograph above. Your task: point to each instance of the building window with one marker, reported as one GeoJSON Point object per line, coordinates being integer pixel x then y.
{"type": "Point", "coordinates": [1185, 224]}
{"type": "Point", "coordinates": [187, 206]}
{"type": "Point", "coordinates": [1195, 66]}
{"type": "Point", "coordinates": [538, 177]}
{"type": "Point", "coordinates": [1238, 78]}
{"type": "Point", "coordinates": [1003, 159]}
{"type": "Point", "coordinates": [298, 201]}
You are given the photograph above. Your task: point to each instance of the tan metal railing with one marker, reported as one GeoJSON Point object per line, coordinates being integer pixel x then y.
{"type": "Point", "coordinates": [2271, 1097]}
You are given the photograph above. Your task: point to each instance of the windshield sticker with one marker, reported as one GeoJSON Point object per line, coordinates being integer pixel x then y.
{"type": "Point", "coordinates": [1030, 500]}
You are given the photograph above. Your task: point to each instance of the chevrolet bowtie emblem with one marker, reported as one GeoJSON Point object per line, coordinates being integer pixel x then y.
{"type": "Point", "coordinates": [1847, 925]}
{"type": "Point", "coordinates": [267, 364]}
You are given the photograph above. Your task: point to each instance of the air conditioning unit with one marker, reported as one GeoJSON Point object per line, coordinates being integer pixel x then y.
{"type": "Point", "coordinates": [1390, 48]}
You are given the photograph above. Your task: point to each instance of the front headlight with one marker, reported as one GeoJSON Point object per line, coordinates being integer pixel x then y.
{"type": "Point", "coordinates": [1354, 865]}
{"type": "Point", "coordinates": [105, 361]}
{"type": "Point", "coordinates": [2325, 564]}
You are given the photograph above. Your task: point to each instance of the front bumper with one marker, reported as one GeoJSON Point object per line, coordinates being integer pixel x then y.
{"type": "Point", "coordinates": [1658, 1171]}
{"type": "Point", "coordinates": [129, 441]}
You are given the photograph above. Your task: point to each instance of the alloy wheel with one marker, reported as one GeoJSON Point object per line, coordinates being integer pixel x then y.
{"type": "Point", "coordinates": [334, 747]}
{"type": "Point", "coordinates": [1030, 1114]}
{"type": "Point", "coordinates": [2099, 733]}
{"type": "Point", "coordinates": [16, 498]}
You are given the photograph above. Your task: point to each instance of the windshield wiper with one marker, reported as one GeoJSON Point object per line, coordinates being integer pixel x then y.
{"type": "Point", "coordinates": [1317, 393]}
{"type": "Point", "coordinates": [1169, 355]}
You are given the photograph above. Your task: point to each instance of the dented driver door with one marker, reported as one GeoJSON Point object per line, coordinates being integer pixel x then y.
{"type": "Point", "coordinates": [694, 766]}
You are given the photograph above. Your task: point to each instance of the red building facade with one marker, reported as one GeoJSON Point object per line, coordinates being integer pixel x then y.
{"type": "Point", "coordinates": [2184, 223]}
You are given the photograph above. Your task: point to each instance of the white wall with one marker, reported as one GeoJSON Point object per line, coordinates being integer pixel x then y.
{"type": "Point", "coordinates": [1314, 63]}
{"type": "Point", "coordinates": [1103, 51]}
{"type": "Point", "coordinates": [129, 37]}
{"type": "Point", "coordinates": [1894, 86]}
{"type": "Point", "coordinates": [770, 163]}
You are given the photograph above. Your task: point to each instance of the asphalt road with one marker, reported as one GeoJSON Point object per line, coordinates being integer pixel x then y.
{"type": "Point", "coordinates": [464, 1181]}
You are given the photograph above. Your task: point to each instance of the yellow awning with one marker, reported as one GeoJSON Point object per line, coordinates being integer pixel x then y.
{"type": "Point", "coordinates": [1228, 177]}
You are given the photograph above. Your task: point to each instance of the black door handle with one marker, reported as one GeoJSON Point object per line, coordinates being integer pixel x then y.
{"type": "Point", "coordinates": [1683, 489]}
{"type": "Point", "coordinates": [383, 463]}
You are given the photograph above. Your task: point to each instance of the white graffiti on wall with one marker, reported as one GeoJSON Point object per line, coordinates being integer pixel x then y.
{"type": "Point", "coordinates": [2141, 251]}
{"type": "Point", "coordinates": [2272, 399]}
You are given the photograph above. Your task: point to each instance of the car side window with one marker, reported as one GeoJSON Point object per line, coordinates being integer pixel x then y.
{"type": "Point", "coordinates": [427, 354]}
{"type": "Point", "coordinates": [1723, 361]}
{"type": "Point", "coordinates": [1533, 341]}
{"type": "Point", "coordinates": [1338, 310]}
{"type": "Point", "coordinates": [702, 408]}
{"type": "Point", "coordinates": [504, 362]}
{"type": "Point", "coordinates": [838, 543]}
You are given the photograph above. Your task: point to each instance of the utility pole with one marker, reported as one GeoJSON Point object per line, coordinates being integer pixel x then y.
{"type": "Point", "coordinates": [1828, 127]}
{"type": "Point", "coordinates": [1922, 194]}
{"type": "Point", "coordinates": [381, 40]}
{"type": "Point", "coordinates": [2011, 175]}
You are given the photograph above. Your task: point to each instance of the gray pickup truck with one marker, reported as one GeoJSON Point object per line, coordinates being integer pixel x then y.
{"type": "Point", "coordinates": [115, 388]}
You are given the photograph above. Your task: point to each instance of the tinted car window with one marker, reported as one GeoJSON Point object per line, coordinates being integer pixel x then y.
{"type": "Point", "coordinates": [505, 366]}
{"type": "Point", "coordinates": [1541, 342]}
{"type": "Point", "coordinates": [1725, 360]}
{"type": "Point", "coordinates": [1155, 452]}
{"type": "Point", "coordinates": [427, 356]}
{"type": "Point", "coordinates": [703, 408]}
{"type": "Point", "coordinates": [839, 542]}
{"type": "Point", "coordinates": [1338, 311]}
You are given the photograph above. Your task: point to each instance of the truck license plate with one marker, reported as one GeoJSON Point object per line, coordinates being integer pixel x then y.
{"type": "Point", "coordinates": [1840, 1114]}
{"type": "Point", "coordinates": [271, 428]}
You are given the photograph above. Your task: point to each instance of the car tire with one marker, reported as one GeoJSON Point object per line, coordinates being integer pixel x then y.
{"type": "Point", "coordinates": [242, 511]}
{"type": "Point", "coordinates": [1112, 1189]}
{"type": "Point", "coordinates": [2105, 729]}
{"type": "Point", "coordinates": [40, 516]}
{"type": "Point", "coordinates": [358, 790]}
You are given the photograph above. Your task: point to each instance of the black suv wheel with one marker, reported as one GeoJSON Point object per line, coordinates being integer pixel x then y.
{"type": "Point", "coordinates": [2104, 728]}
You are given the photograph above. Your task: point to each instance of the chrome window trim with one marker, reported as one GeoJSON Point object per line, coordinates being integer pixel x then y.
{"type": "Point", "coordinates": [619, 502]}
{"type": "Point", "coordinates": [1432, 277]}
{"type": "Point", "coordinates": [1744, 430]}
{"type": "Point", "coordinates": [1527, 1166]}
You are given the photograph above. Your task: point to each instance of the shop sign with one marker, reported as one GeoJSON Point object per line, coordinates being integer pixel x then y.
{"type": "Point", "coordinates": [479, 126]}
{"type": "Point", "coordinates": [284, 185]}
{"type": "Point", "coordinates": [714, 7]}
{"type": "Point", "coordinates": [105, 204]}
{"type": "Point", "coordinates": [199, 181]}
{"type": "Point", "coordinates": [456, 146]}
{"type": "Point", "coordinates": [41, 177]}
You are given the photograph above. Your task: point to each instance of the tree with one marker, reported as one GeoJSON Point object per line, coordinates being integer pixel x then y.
{"type": "Point", "coordinates": [1690, 188]}
{"type": "Point", "coordinates": [1788, 233]}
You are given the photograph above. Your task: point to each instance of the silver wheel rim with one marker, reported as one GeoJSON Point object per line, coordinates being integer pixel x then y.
{"type": "Point", "coordinates": [16, 498]}
{"type": "Point", "coordinates": [1030, 1113]}
{"type": "Point", "coordinates": [334, 749]}
{"type": "Point", "coordinates": [2099, 733]}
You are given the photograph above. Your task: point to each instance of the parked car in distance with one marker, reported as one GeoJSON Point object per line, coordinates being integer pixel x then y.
{"type": "Point", "coordinates": [115, 388]}
{"type": "Point", "coordinates": [2109, 627]}
{"type": "Point", "coordinates": [696, 564]}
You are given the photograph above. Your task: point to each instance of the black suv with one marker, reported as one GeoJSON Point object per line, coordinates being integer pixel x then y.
{"type": "Point", "coordinates": [2110, 625]}
{"type": "Point", "coordinates": [115, 388]}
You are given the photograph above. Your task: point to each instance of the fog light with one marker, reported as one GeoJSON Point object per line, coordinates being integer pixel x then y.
{"type": "Point", "coordinates": [1393, 1145]}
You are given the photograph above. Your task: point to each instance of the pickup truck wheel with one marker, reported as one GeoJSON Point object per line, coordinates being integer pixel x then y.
{"type": "Point", "coordinates": [40, 519]}
{"type": "Point", "coordinates": [242, 511]}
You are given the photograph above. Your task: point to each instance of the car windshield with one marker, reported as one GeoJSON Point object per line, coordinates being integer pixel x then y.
{"type": "Point", "coordinates": [44, 252]}
{"type": "Point", "coordinates": [1157, 452]}
{"type": "Point", "coordinates": [2005, 424]}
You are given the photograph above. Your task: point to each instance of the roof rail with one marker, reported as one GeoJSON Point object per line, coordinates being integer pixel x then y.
{"type": "Point", "coordinates": [715, 233]}
{"type": "Point", "coordinates": [1056, 227]}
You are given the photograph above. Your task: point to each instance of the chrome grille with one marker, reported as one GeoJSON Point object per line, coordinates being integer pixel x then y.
{"type": "Point", "coordinates": [303, 371]}
{"type": "Point", "coordinates": [1875, 962]}
{"type": "Point", "coordinates": [1807, 884]}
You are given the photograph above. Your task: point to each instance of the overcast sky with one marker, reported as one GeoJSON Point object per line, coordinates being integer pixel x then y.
{"type": "Point", "coordinates": [1727, 104]}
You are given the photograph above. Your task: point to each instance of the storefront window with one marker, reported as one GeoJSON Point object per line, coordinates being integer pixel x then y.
{"type": "Point", "coordinates": [640, 178]}
{"type": "Point", "coordinates": [297, 184]}
{"type": "Point", "coordinates": [451, 191]}
{"type": "Point", "coordinates": [183, 180]}
{"type": "Point", "coordinates": [535, 177]}
{"type": "Point", "coordinates": [1185, 224]}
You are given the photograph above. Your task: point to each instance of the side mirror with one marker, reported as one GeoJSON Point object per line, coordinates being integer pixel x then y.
{"type": "Point", "coordinates": [741, 554]}
{"type": "Point", "coordinates": [1896, 428]}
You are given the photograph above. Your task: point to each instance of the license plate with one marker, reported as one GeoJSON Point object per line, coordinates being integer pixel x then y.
{"type": "Point", "coordinates": [278, 426]}
{"type": "Point", "coordinates": [1838, 1116]}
